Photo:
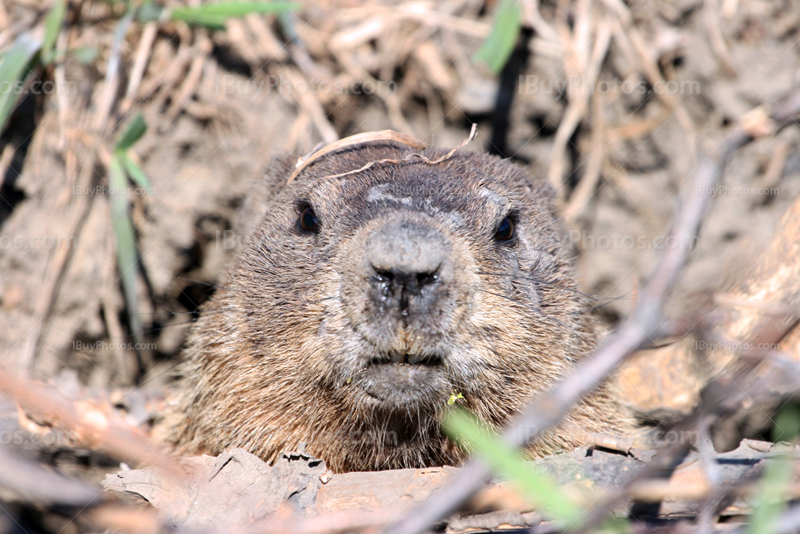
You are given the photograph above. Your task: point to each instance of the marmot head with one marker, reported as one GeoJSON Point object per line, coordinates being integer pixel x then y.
{"type": "Point", "coordinates": [379, 282]}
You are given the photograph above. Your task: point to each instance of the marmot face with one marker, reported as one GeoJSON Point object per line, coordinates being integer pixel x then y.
{"type": "Point", "coordinates": [362, 303]}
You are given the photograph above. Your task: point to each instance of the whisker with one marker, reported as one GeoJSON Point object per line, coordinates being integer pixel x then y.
{"type": "Point", "coordinates": [540, 312]}
{"type": "Point", "coordinates": [543, 282]}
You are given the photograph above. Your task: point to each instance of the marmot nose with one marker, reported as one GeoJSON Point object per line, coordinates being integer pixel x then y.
{"type": "Point", "coordinates": [406, 260]}
{"type": "Point", "coordinates": [412, 283]}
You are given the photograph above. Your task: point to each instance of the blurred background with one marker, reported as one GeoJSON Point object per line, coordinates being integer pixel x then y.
{"type": "Point", "coordinates": [131, 131]}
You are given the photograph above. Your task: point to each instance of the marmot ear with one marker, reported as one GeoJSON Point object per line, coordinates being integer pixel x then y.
{"type": "Point", "coordinates": [262, 192]}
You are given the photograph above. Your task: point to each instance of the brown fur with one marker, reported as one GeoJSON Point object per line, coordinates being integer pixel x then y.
{"type": "Point", "coordinates": [291, 350]}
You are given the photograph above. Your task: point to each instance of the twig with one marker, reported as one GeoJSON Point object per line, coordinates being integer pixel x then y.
{"type": "Point", "coordinates": [549, 409]}
{"type": "Point", "coordinates": [126, 367]}
{"type": "Point", "coordinates": [723, 396]}
{"type": "Point", "coordinates": [789, 522]}
{"type": "Point", "coordinates": [35, 482]}
{"type": "Point", "coordinates": [578, 104]}
{"type": "Point", "coordinates": [149, 34]}
{"type": "Point", "coordinates": [62, 94]}
{"type": "Point", "coordinates": [167, 76]}
{"type": "Point", "coordinates": [22, 25]}
{"type": "Point", "coordinates": [111, 81]}
{"type": "Point", "coordinates": [711, 19]}
{"type": "Point", "coordinates": [633, 43]}
{"type": "Point", "coordinates": [772, 175]}
{"type": "Point", "coordinates": [91, 424]}
{"type": "Point", "coordinates": [588, 184]}
{"type": "Point", "coordinates": [309, 103]}
{"type": "Point", "coordinates": [530, 9]}
{"type": "Point", "coordinates": [58, 263]}
{"type": "Point", "coordinates": [383, 135]}
{"type": "Point", "coordinates": [189, 85]}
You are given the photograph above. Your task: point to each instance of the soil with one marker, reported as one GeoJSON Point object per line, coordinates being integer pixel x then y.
{"type": "Point", "coordinates": [63, 308]}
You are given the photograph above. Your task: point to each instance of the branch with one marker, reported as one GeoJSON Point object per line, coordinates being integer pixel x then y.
{"type": "Point", "coordinates": [638, 330]}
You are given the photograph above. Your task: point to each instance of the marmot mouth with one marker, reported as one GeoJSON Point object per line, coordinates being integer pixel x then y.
{"type": "Point", "coordinates": [396, 358]}
{"type": "Point", "coordinates": [400, 384]}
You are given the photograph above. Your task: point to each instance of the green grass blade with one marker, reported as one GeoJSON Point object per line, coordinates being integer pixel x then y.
{"type": "Point", "coordinates": [52, 26]}
{"type": "Point", "coordinates": [149, 11]}
{"type": "Point", "coordinates": [771, 497]}
{"type": "Point", "coordinates": [212, 22]}
{"type": "Point", "coordinates": [773, 490]}
{"type": "Point", "coordinates": [132, 133]}
{"type": "Point", "coordinates": [787, 423]}
{"type": "Point", "coordinates": [497, 48]}
{"type": "Point", "coordinates": [84, 55]}
{"type": "Point", "coordinates": [214, 14]}
{"type": "Point", "coordinates": [13, 70]}
{"type": "Point", "coordinates": [126, 240]}
{"type": "Point", "coordinates": [134, 171]}
{"type": "Point", "coordinates": [539, 488]}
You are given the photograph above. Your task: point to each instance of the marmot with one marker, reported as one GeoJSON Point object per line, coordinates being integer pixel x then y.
{"type": "Point", "coordinates": [379, 281]}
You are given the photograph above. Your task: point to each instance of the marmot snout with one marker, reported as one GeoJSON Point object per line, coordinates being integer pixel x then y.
{"type": "Point", "coordinates": [403, 298]}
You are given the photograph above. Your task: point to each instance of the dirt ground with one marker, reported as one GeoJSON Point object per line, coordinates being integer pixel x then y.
{"type": "Point", "coordinates": [614, 103]}
{"type": "Point", "coordinates": [638, 142]}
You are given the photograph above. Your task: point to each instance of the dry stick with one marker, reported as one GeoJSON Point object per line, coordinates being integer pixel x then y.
{"type": "Point", "coordinates": [3, 16]}
{"type": "Point", "coordinates": [724, 395]}
{"type": "Point", "coordinates": [711, 19]}
{"type": "Point", "coordinates": [139, 64]}
{"type": "Point", "coordinates": [774, 172]}
{"type": "Point", "coordinates": [111, 82]}
{"type": "Point", "coordinates": [126, 368]}
{"type": "Point", "coordinates": [420, 13]}
{"type": "Point", "coordinates": [189, 85]}
{"type": "Point", "coordinates": [530, 10]}
{"type": "Point", "coordinates": [11, 33]}
{"type": "Point", "coordinates": [628, 36]}
{"type": "Point", "coordinates": [90, 423]}
{"type": "Point", "coordinates": [309, 103]}
{"type": "Point", "coordinates": [237, 32]}
{"type": "Point", "coordinates": [576, 110]}
{"type": "Point", "coordinates": [638, 330]}
{"type": "Point", "coordinates": [62, 96]}
{"type": "Point", "coordinates": [41, 484]}
{"type": "Point", "coordinates": [588, 184]}
{"type": "Point", "coordinates": [57, 267]}
{"type": "Point", "coordinates": [267, 45]}
{"type": "Point", "coordinates": [167, 76]}
{"type": "Point", "coordinates": [385, 134]}
{"type": "Point", "coordinates": [390, 100]}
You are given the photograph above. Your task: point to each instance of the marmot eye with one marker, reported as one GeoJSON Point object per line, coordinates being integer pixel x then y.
{"type": "Point", "coordinates": [308, 220]}
{"type": "Point", "coordinates": [505, 231]}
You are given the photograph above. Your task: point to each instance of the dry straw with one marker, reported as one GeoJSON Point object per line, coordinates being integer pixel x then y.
{"type": "Point", "coordinates": [370, 138]}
